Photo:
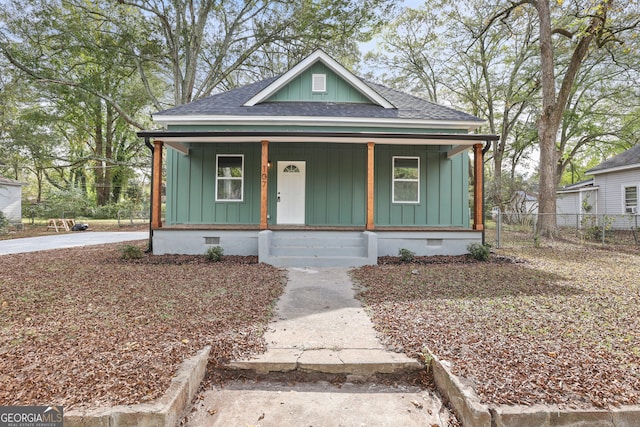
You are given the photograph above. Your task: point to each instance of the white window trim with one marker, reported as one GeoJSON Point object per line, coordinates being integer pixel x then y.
{"type": "Point", "coordinates": [241, 179]}
{"type": "Point", "coordinates": [624, 198]}
{"type": "Point", "coordinates": [316, 88]}
{"type": "Point", "coordinates": [394, 180]}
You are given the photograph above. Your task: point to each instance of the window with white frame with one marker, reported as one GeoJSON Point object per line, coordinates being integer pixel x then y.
{"type": "Point", "coordinates": [406, 180]}
{"type": "Point", "coordinates": [631, 199]}
{"type": "Point", "coordinates": [229, 178]}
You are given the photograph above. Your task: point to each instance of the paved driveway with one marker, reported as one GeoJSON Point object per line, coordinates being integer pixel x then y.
{"type": "Point", "coordinates": [68, 240]}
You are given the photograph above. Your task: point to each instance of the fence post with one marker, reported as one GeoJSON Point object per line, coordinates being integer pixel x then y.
{"type": "Point", "coordinates": [603, 227]}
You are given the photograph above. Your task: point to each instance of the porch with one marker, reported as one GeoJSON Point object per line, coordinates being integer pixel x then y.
{"type": "Point", "coordinates": [437, 223]}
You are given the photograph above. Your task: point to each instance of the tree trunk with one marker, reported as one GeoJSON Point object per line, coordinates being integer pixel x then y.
{"type": "Point", "coordinates": [546, 129]}
{"type": "Point", "coordinates": [102, 198]}
{"type": "Point", "coordinates": [547, 185]}
{"type": "Point", "coordinates": [554, 105]}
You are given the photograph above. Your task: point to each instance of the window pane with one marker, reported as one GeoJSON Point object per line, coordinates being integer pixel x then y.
{"type": "Point", "coordinates": [631, 196]}
{"type": "Point", "coordinates": [229, 189]}
{"type": "Point", "coordinates": [230, 166]}
{"type": "Point", "coordinates": [405, 169]}
{"type": "Point", "coordinates": [404, 191]}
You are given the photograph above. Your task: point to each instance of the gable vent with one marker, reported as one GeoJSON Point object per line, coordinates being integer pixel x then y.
{"type": "Point", "coordinates": [319, 83]}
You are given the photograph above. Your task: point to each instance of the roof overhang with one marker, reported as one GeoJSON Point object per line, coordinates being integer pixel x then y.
{"type": "Point", "coordinates": [179, 140]}
{"type": "Point", "coordinates": [314, 121]}
{"type": "Point", "coordinates": [616, 169]}
{"type": "Point", "coordinates": [578, 190]}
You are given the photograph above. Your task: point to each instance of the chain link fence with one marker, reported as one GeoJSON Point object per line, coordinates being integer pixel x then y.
{"type": "Point", "coordinates": [515, 229]}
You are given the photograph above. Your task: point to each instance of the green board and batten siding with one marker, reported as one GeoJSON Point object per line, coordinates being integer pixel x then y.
{"type": "Point", "coordinates": [444, 194]}
{"type": "Point", "coordinates": [191, 184]}
{"type": "Point", "coordinates": [337, 90]}
{"type": "Point", "coordinates": [335, 185]}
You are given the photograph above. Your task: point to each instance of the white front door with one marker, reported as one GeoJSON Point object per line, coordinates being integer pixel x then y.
{"type": "Point", "coordinates": [291, 192]}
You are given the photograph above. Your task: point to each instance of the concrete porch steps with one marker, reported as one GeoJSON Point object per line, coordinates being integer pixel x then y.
{"type": "Point", "coordinates": [353, 362]}
{"type": "Point", "coordinates": [327, 249]}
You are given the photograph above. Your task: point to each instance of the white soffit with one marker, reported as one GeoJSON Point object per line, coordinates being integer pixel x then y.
{"type": "Point", "coordinates": [332, 64]}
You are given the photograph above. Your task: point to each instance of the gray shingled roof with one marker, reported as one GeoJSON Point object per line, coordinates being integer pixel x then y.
{"type": "Point", "coordinates": [576, 186]}
{"type": "Point", "coordinates": [7, 181]}
{"type": "Point", "coordinates": [231, 104]}
{"type": "Point", "coordinates": [626, 158]}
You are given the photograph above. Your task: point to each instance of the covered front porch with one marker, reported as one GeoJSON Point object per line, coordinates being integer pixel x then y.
{"type": "Point", "coordinates": [265, 236]}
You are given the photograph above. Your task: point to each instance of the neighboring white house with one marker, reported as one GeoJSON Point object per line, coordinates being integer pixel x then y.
{"type": "Point", "coordinates": [11, 199]}
{"type": "Point", "coordinates": [613, 191]}
{"type": "Point", "coordinates": [576, 200]}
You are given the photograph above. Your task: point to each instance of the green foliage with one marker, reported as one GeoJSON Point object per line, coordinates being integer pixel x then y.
{"type": "Point", "coordinates": [214, 253]}
{"type": "Point", "coordinates": [130, 251]}
{"type": "Point", "coordinates": [592, 228]}
{"type": "Point", "coordinates": [406, 255]}
{"type": "Point", "coordinates": [479, 252]}
{"type": "Point", "coordinates": [4, 223]}
{"type": "Point", "coordinates": [63, 204]}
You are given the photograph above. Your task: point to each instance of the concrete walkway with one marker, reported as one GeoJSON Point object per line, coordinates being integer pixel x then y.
{"type": "Point", "coordinates": [68, 240]}
{"type": "Point", "coordinates": [320, 327]}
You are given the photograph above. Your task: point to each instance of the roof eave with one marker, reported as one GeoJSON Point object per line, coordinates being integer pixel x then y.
{"type": "Point", "coordinates": [180, 140]}
{"type": "Point", "coordinates": [168, 120]}
{"type": "Point", "coordinates": [614, 169]}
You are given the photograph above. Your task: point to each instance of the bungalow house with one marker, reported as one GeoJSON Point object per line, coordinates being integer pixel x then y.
{"type": "Point", "coordinates": [11, 199]}
{"type": "Point", "coordinates": [613, 191]}
{"type": "Point", "coordinates": [316, 167]}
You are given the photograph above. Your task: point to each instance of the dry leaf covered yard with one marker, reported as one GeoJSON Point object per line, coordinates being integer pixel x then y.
{"type": "Point", "coordinates": [561, 327]}
{"type": "Point", "coordinates": [555, 325]}
{"type": "Point", "coordinates": [81, 327]}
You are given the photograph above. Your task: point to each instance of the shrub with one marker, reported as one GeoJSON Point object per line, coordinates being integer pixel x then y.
{"type": "Point", "coordinates": [131, 252]}
{"type": "Point", "coordinates": [214, 253]}
{"type": "Point", "coordinates": [479, 252]}
{"type": "Point", "coordinates": [4, 223]}
{"type": "Point", "coordinates": [406, 255]}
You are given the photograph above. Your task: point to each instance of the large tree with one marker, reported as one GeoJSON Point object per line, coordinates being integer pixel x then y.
{"type": "Point", "coordinates": [444, 53]}
{"type": "Point", "coordinates": [86, 85]}
{"type": "Point", "coordinates": [112, 63]}
{"type": "Point", "coordinates": [579, 28]}
{"type": "Point", "coordinates": [210, 45]}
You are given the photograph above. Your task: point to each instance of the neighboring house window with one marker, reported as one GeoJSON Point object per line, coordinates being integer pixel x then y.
{"type": "Point", "coordinates": [229, 178]}
{"type": "Point", "coordinates": [318, 82]}
{"type": "Point", "coordinates": [406, 180]}
{"type": "Point", "coordinates": [631, 199]}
